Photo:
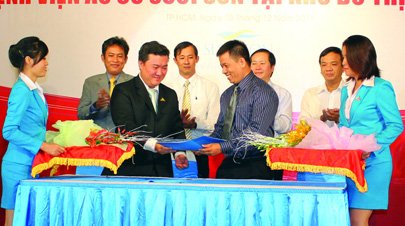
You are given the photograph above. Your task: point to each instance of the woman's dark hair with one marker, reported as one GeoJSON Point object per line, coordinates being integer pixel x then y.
{"type": "Point", "coordinates": [361, 56]}
{"type": "Point", "coordinates": [28, 46]}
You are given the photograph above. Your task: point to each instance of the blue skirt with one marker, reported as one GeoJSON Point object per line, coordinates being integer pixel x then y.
{"type": "Point", "coordinates": [378, 178]}
{"type": "Point", "coordinates": [11, 174]}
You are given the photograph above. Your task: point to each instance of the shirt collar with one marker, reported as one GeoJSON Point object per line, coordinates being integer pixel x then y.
{"type": "Point", "coordinates": [192, 79]}
{"type": "Point", "coordinates": [116, 78]}
{"type": "Point", "coordinates": [323, 87]}
{"type": "Point", "coordinates": [369, 81]}
{"type": "Point", "coordinates": [31, 85]}
{"type": "Point", "coordinates": [147, 87]}
{"type": "Point", "coordinates": [366, 82]}
{"type": "Point", "coordinates": [245, 81]}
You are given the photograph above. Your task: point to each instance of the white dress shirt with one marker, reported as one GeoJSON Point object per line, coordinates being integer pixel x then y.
{"type": "Point", "coordinates": [283, 119]}
{"type": "Point", "coordinates": [352, 95]}
{"type": "Point", "coordinates": [204, 97]}
{"type": "Point", "coordinates": [318, 98]}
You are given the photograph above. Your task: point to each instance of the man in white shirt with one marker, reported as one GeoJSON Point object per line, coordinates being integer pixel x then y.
{"type": "Point", "coordinates": [263, 63]}
{"type": "Point", "coordinates": [323, 102]}
{"type": "Point", "coordinates": [198, 98]}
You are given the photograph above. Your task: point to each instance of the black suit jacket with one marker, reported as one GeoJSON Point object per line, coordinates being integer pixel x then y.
{"type": "Point", "coordinates": [131, 108]}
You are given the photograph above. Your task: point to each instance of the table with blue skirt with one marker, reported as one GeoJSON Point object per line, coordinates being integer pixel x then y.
{"type": "Point", "coordinates": [98, 200]}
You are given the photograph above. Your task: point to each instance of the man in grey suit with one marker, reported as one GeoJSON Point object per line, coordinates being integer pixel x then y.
{"type": "Point", "coordinates": [97, 89]}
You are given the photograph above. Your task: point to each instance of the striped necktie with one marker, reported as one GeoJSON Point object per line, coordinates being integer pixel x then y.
{"type": "Point", "coordinates": [186, 105]}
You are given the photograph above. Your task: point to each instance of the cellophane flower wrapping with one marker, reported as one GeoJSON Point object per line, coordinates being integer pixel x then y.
{"type": "Point", "coordinates": [321, 136]}
{"type": "Point", "coordinates": [71, 133]}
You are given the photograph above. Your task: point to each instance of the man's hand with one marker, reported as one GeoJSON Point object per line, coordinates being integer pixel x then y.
{"type": "Point", "coordinates": [210, 149]}
{"type": "Point", "coordinates": [162, 149]}
{"type": "Point", "coordinates": [188, 122]}
{"type": "Point", "coordinates": [330, 114]}
{"type": "Point", "coordinates": [103, 99]}
{"type": "Point", "coordinates": [181, 161]}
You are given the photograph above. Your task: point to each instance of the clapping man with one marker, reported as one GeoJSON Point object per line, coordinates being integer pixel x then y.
{"type": "Point", "coordinates": [323, 102]}
{"type": "Point", "coordinates": [97, 89]}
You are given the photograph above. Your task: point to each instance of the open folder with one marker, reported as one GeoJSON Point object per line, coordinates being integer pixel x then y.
{"type": "Point", "coordinates": [191, 145]}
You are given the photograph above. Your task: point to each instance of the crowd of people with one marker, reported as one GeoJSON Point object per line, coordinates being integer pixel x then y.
{"type": "Point", "coordinates": [192, 106]}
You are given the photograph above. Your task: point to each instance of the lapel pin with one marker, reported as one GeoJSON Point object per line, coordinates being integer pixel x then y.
{"type": "Point", "coordinates": [162, 99]}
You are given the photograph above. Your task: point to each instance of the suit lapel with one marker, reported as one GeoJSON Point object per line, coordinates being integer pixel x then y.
{"type": "Point", "coordinates": [42, 106]}
{"type": "Point", "coordinates": [358, 100]}
{"type": "Point", "coordinates": [103, 82]}
{"type": "Point", "coordinates": [162, 100]}
{"type": "Point", "coordinates": [124, 77]}
{"type": "Point", "coordinates": [143, 93]}
{"type": "Point", "coordinates": [343, 100]}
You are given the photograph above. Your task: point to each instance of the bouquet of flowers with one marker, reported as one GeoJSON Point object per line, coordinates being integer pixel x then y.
{"type": "Point", "coordinates": [289, 139]}
{"type": "Point", "coordinates": [86, 132]}
{"type": "Point", "coordinates": [102, 136]}
{"type": "Point", "coordinates": [315, 134]}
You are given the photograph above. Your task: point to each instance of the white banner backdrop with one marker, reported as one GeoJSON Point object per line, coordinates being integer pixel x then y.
{"type": "Point", "coordinates": [295, 31]}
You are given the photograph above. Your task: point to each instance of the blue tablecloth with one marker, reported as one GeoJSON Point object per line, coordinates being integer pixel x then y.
{"type": "Point", "coordinates": [88, 200]}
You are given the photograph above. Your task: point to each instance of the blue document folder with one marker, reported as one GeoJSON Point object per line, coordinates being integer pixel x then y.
{"type": "Point", "coordinates": [191, 145]}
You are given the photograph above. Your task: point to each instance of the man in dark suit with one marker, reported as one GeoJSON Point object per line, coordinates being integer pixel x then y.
{"type": "Point", "coordinates": [144, 101]}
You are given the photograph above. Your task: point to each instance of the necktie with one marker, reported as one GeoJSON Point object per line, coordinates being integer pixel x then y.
{"type": "Point", "coordinates": [186, 105]}
{"type": "Point", "coordinates": [153, 97]}
{"type": "Point", "coordinates": [229, 115]}
{"type": "Point", "coordinates": [112, 85]}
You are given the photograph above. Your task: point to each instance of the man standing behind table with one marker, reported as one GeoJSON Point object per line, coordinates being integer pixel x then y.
{"type": "Point", "coordinates": [97, 89]}
{"type": "Point", "coordinates": [262, 65]}
{"type": "Point", "coordinates": [323, 102]}
{"type": "Point", "coordinates": [249, 104]}
{"type": "Point", "coordinates": [143, 102]}
{"type": "Point", "coordinates": [198, 98]}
